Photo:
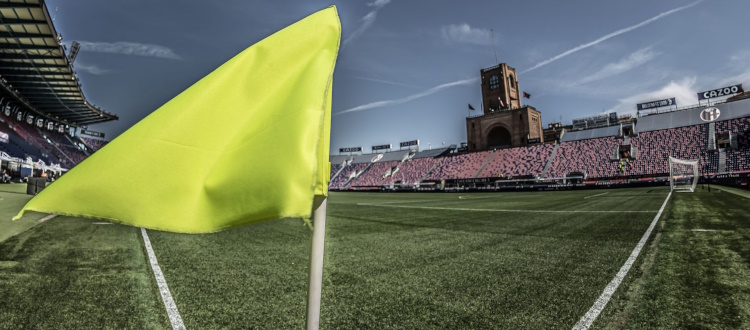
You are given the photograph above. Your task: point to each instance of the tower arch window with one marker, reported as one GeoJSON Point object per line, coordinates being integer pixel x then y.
{"type": "Point", "coordinates": [494, 82]}
{"type": "Point", "coordinates": [511, 81]}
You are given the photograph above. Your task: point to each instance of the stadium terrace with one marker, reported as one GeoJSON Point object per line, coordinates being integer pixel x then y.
{"type": "Point", "coordinates": [634, 152]}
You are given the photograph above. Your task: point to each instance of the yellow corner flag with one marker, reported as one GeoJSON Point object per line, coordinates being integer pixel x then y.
{"type": "Point", "coordinates": [248, 142]}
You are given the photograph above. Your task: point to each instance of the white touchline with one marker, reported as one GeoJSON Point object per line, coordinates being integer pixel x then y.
{"type": "Point", "coordinates": [587, 197]}
{"type": "Point", "coordinates": [588, 319]}
{"type": "Point", "coordinates": [49, 217]}
{"type": "Point", "coordinates": [418, 201]}
{"type": "Point", "coordinates": [463, 197]}
{"type": "Point", "coordinates": [166, 296]}
{"type": "Point", "coordinates": [501, 210]}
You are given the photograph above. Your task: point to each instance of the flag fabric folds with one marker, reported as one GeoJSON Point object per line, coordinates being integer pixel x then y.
{"type": "Point", "coordinates": [526, 95]}
{"type": "Point", "coordinates": [249, 142]}
{"type": "Point", "coordinates": [470, 107]}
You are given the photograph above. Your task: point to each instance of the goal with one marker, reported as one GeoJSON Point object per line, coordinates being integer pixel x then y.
{"type": "Point", "coordinates": [683, 174]}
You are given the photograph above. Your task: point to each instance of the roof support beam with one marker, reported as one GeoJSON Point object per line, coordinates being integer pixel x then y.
{"type": "Point", "coordinates": [28, 47]}
{"type": "Point", "coordinates": [16, 72]}
{"type": "Point", "coordinates": [37, 65]}
{"type": "Point", "coordinates": [8, 34]}
{"type": "Point", "coordinates": [21, 80]}
{"type": "Point", "coordinates": [17, 21]}
{"type": "Point", "coordinates": [21, 5]}
{"type": "Point", "coordinates": [23, 56]}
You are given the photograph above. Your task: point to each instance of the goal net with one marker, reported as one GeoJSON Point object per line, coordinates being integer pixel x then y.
{"type": "Point", "coordinates": [683, 174]}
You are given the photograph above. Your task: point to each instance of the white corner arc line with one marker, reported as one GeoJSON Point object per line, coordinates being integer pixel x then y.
{"type": "Point", "coordinates": [166, 296]}
{"type": "Point", "coordinates": [587, 197]}
{"type": "Point", "coordinates": [49, 217]}
{"type": "Point", "coordinates": [588, 319]}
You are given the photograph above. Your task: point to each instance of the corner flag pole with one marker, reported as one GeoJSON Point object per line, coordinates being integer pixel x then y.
{"type": "Point", "coordinates": [316, 267]}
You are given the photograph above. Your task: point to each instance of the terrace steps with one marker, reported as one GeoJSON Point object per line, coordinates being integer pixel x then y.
{"type": "Point", "coordinates": [549, 161]}
{"type": "Point", "coordinates": [434, 166]}
{"type": "Point", "coordinates": [338, 172]}
{"type": "Point", "coordinates": [487, 161]}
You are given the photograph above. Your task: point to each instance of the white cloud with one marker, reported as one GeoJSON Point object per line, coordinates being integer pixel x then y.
{"type": "Point", "coordinates": [467, 34]}
{"type": "Point", "coordinates": [740, 78]}
{"type": "Point", "coordinates": [92, 69]}
{"type": "Point", "coordinates": [379, 3]}
{"type": "Point", "coordinates": [367, 21]}
{"type": "Point", "coordinates": [740, 58]}
{"type": "Point", "coordinates": [433, 90]}
{"type": "Point", "coordinates": [611, 35]}
{"type": "Point", "coordinates": [684, 90]}
{"type": "Point", "coordinates": [626, 64]}
{"type": "Point", "coordinates": [130, 48]}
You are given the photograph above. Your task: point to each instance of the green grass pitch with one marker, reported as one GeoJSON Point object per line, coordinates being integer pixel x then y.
{"type": "Point", "coordinates": [535, 260]}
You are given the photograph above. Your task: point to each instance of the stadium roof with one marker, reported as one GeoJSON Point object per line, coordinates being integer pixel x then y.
{"type": "Point", "coordinates": [35, 73]}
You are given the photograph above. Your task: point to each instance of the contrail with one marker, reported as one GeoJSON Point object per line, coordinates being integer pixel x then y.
{"type": "Point", "coordinates": [412, 97]}
{"type": "Point", "coordinates": [130, 48]}
{"type": "Point", "coordinates": [368, 20]}
{"type": "Point", "coordinates": [612, 35]}
{"type": "Point", "coordinates": [388, 82]}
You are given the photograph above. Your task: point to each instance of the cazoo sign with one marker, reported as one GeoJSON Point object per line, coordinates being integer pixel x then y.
{"type": "Point", "coordinates": [724, 91]}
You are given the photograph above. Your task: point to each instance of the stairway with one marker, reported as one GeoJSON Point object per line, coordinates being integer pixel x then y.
{"type": "Point", "coordinates": [431, 169]}
{"type": "Point", "coordinates": [346, 184]}
{"type": "Point", "coordinates": [337, 173]}
{"type": "Point", "coordinates": [485, 164]}
{"type": "Point", "coordinates": [549, 161]}
{"type": "Point", "coordinates": [712, 136]}
{"type": "Point", "coordinates": [722, 161]}
{"type": "Point", "coordinates": [80, 141]}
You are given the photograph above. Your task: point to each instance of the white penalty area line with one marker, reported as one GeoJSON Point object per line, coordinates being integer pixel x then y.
{"type": "Point", "coordinates": [587, 197]}
{"type": "Point", "coordinates": [49, 217]}
{"type": "Point", "coordinates": [588, 319]}
{"type": "Point", "coordinates": [501, 210]}
{"type": "Point", "coordinates": [166, 296]}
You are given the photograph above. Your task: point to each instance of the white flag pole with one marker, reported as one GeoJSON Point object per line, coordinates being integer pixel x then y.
{"type": "Point", "coordinates": [316, 266]}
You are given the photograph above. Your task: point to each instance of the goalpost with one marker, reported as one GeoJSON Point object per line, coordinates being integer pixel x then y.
{"type": "Point", "coordinates": [683, 174]}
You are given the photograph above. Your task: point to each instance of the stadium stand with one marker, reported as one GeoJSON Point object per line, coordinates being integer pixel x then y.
{"type": "Point", "coordinates": [413, 170]}
{"type": "Point", "coordinates": [335, 169]}
{"type": "Point", "coordinates": [737, 160]}
{"type": "Point", "coordinates": [683, 134]}
{"type": "Point", "coordinates": [460, 166]}
{"type": "Point", "coordinates": [93, 144]}
{"type": "Point", "coordinates": [342, 180]}
{"type": "Point", "coordinates": [655, 148]}
{"type": "Point", "coordinates": [516, 162]}
{"type": "Point", "coordinates": [591, 157]}
{"type": "Point", "coordinates": [377, 174]}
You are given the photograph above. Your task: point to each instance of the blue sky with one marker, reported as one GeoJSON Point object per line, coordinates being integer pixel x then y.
{"type": "Point", "coordinates": [407, 69]}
